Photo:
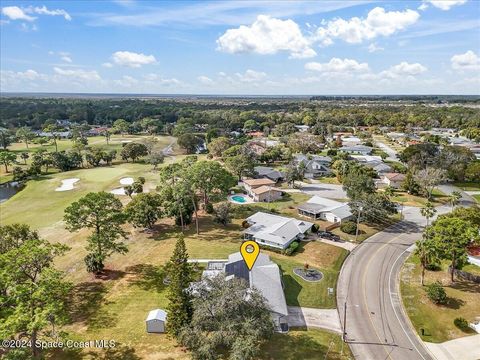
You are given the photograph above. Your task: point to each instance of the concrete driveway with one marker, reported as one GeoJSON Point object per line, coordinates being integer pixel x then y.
{"type": "Point", "coordinates": [465, 348]}
{"type": "Point", "coordinates": [316, 318]}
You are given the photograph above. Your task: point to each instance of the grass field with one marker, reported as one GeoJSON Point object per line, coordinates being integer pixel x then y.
{"type": "Point", "coordinates": [437, 320]}
{"type": "Point", "coordinates": [116, 142]}
{"type": "Point", "coordinates": [115, 307]}
{"type": "Point", "coordinates": [468, 186]}
{"type": "Point", "coordinates": [439, 198]}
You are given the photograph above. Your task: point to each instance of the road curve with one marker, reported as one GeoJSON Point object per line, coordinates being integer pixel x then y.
{"type": "Point", "coordinates": [376, 325]}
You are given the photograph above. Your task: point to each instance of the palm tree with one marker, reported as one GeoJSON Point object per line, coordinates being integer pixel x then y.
{"type": "Point", "coordinates": [455, 197]}
{"type": "Point", "coordinates": [426, 252]}
{"type": "Point", "coordinates": [428, 211]}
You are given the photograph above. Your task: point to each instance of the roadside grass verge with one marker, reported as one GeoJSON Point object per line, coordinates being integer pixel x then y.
{"type": "Point", "coordinates": [468, 186]}
{"type": "Point", "coordinates": [306, 345]}
{"type": "Point", "coordinates": [437, 320]}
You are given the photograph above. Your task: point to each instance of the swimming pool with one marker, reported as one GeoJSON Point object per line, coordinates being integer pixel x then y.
{"type": "Point", "coordinates": [239, 198]}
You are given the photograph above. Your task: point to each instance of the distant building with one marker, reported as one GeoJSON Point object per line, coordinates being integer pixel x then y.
{"type": "Point", "coordinates": [274, 230]}
{"type": "Point", "coordinates": [394, 180]}
{"type": "Point", "coordinates": [374, 162]}
{"type": "Point", "coordinates": [156, 320]}
{"type": "Point", "coordinates": [315, 165]}
{"type": "Point", "coordinates": [265, 276]}
{"type": "Point", "coordinates": [302, 128]}
{"type": "Point", "coordinates": [357, 149]}
{"type": "Point", "coordinates": [268, 172]}
{"type": "Point", "coordinates": [325, 209]}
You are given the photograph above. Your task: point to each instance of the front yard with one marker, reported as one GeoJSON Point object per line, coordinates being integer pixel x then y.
{"type": "Point", "coordinates": [437, 320]}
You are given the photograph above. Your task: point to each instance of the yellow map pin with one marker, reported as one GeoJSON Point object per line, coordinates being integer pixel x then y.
{"type": "Point", "coordinates": [249, 250]}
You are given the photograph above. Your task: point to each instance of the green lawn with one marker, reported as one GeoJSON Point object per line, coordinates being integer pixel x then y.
{"type": "Point", "coordinates": [437, 320]}
{"type": "Point", "coordinates": [477, 197]}
{"type": "Point", "coordinates": [300, 344]}
{"type": "Point", "coordinates": [406, 199]}
{"type": "Point", "coordinates": [468, 186]}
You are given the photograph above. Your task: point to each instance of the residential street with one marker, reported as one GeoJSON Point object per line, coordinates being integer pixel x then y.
{"type": "Point", "coordinates": [392, 155]}
{"type": "Point", "coordinates": [376, 325]}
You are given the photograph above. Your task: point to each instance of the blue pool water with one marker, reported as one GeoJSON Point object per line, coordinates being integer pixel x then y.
{"type": "Point", "coordinates": [239, 199]}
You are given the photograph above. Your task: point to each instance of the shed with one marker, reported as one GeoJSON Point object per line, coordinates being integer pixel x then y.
{"type": "Point", "coordinates": [156, 321]}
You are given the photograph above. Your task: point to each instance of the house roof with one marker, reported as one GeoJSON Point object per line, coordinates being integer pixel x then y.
{"type": "Point", "coordinates": [317, 205]}
{"type": "Point", "coordinates": [157, 314]}
{"type": "Point", "coordinates": [264, 189]}
{"type": "Point", "coordinates": [276, 229]}
{"type": "Point", "coordinates": [395, 176]}
{"type": "Point", "coordinates": [265, 277]}
{"type": "Point", "coordinates": [357, 148]}
{"type": "Point", "coordinates": [269, 172]}
{"type": "Point", "coordinates": [317, 158]}
{"type": "Point", "coordinates": [258, 182]}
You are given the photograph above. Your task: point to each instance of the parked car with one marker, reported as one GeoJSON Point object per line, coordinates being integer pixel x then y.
{"type": "Point", "coordinates": [328, 235]}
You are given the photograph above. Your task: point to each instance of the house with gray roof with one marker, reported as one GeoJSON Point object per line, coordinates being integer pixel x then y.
{"type": "Point", "coordinates": [268, 172]}
{"type": "Point", "coordinates": [265, 276]}
{"type": "Point", "coordinates": [274, 230]}
{"type": "Point", "coordinates": [315, 165]}
{"type": "Point", "coordinates": [357, 149]}
{"type": "Point", "coordinates": [319, 208]}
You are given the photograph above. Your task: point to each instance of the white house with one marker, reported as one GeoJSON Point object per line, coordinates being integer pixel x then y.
{"type": "Point", "coordinates": [315, 165]}
{"type": "Point", "coordinates": [357, 149]}
{"type": "Point", "coordinates": [394, 180]}
{"type": "Point", "coordinates": [325, 209]}
{"type": "Point", "coordinates": [274, 230]}
{"type": "Point", "coordinates": [156, 320]}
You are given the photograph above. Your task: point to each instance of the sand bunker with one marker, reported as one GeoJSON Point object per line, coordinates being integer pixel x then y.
{"type": "Point", "coordinates": [67, 184]}
{"type": "Point", "coordinates": [126, 141]}
{"type": "Point", "coordinates": [126, 181]}
{"type": "Point", "coordinates": [118, 191]}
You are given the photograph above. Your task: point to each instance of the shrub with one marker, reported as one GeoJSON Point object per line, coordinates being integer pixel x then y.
{"type": "Point", "coordinates": [209, 208]}
{"type": "Point", "coordinates": [349, 227]}
{"type": "Point", "coordinates": [461, 323]}
{"type": "Point", "coordinates": [289, 251]}
{"type": "Point", "coordinates": [331, 152]}
{"type": "Point", "coordinates": [292, 248]}
{"type": "Point", "coordinates": [315, 228]}
{"type": "Point", "coordinates": [436, 293]}
{"type": "Point", "coordinates": [433, 267]}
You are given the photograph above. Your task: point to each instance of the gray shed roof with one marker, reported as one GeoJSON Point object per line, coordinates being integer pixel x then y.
{"type": "Point", "coordinates": [157, 314]}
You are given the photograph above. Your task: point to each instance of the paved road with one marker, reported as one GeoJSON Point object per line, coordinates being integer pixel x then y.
{"type": "Point", "coordinates": [392, 154]}
{"type": "Point", "coordinates": [376, 325]}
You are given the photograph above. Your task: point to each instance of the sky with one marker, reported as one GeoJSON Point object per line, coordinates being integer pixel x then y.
{"type": "Point", "coordinates": [241, 47]}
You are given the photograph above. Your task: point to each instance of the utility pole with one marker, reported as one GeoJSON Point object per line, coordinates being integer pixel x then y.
{"type": "Point", "coordinates": [344, 337]}
{"type": "Point", "coordinates": [360, 208]}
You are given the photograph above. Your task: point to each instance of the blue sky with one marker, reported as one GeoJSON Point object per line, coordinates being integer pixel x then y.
{"type": "Point", "coordinates": [241, 47]}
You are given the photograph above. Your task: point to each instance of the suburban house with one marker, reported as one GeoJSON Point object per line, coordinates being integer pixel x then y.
{"type": "Point", "coordinates": [374, 162]}
{"type": "Point", "coordinates": [315, 165]}
{"type": "Point", "coordinates": [357, 149]}
{"type": "Point", "coordinates": [262, 190]}
{"type": "Point", "coordinates": [394, 180]}
{"type": "Point", "coordinates": [268, 172]}
{"type": "Point", "coordinates": [302, 128]}
{"type": "Point", "coordinates": [325, 209]}
{"type": "Point", "coordinates": [350, 140]}
{"type": "Point", "coordinates": [274, 230]}
{"type": "Point", "coordinates": [156, 321]}
{"type": "Point", "coordinates": [265, 276]}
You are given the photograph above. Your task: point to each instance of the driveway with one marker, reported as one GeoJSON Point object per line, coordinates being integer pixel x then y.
{"type": "Point", "coordinates": [331, 191]}
{"type": "Point", "coordinates": [465, 348]}
{"type": "Point", "coordinates": [316, 318]}
{"type": "Point", "coordinates": [347, 245]}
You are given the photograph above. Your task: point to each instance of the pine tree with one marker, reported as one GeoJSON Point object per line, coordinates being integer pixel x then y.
{"type": "Point", "coordinates": [180, 273]}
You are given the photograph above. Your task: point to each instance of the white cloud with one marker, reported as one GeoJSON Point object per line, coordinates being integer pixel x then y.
{"type": "Point", "coordinates": [44, 11]}
{"type": "Point", "coordinates": [126, 81]}
{"type": "Point", "coordinates": [78, 74]}
{"type": "Point", "coordinates": [377, 23]}
{"type": "Point", "coordinates": [442, 4]}
{"type": "Point", "coordinates": [107, 65]}
{"type": "Point", "coordinates": [336, 65]}
{"type": "Point", "coordinates": [467, 61]}
{"type": "Point", "coordinates": [159, 80]}
{"type": "Point", "coordinates": [15, 13]}
{"type": "Point", "coordinates": [251, 76]}
{"type": "Point", "coordinates": [131, 59]}
{"type": "Point", "coordinates": [403, 69]}
{"type": "Point", "coordinates": [374, 48]}
{"type": "Point", "coordinates": [205, 80]}
{"type": "Point", "coordinates": [66, 58]}
{"type": "Point", "coordinates": [266, 35]}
